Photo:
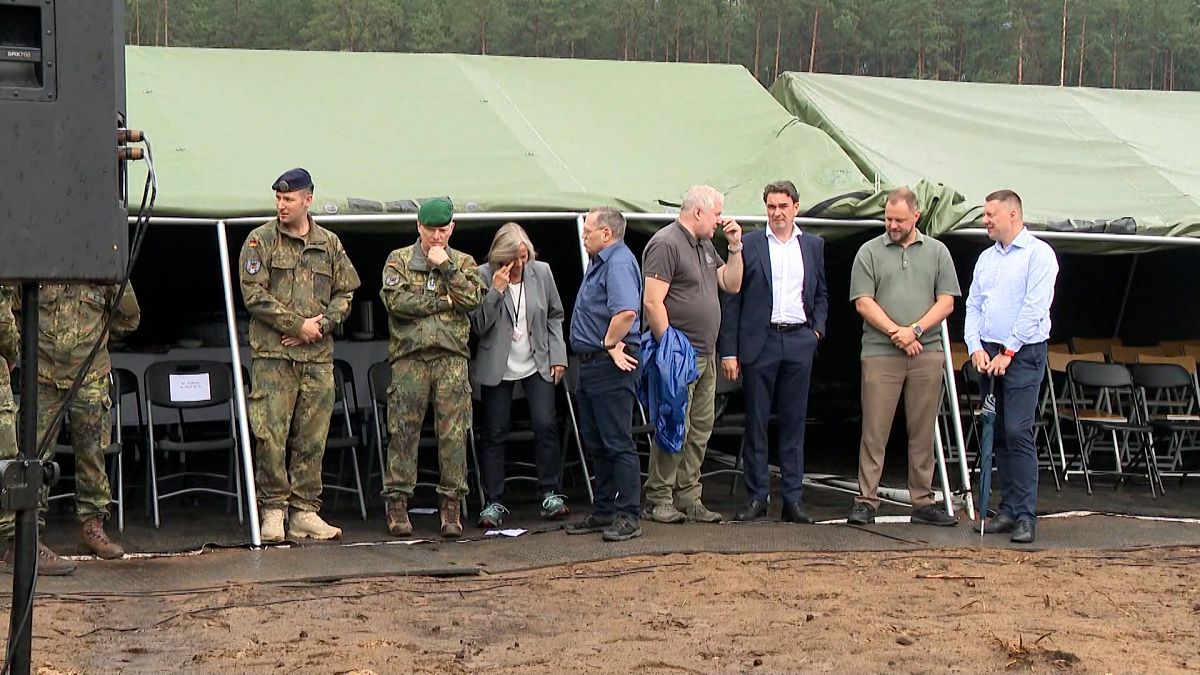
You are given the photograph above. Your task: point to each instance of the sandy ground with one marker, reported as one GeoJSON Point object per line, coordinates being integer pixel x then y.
{"type": "Point", "coordinates": [928, 612]}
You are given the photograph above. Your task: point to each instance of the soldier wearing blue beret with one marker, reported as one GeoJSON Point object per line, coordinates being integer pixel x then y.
{"type": "Point", "coordinates": [298, 283]}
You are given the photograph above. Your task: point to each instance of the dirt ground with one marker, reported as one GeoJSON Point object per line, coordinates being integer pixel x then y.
{"type": "Point", "coordinates": [956, 611]}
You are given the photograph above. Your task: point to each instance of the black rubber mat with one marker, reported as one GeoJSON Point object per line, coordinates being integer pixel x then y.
{"type": "Point", "coordinates": [221, 568]}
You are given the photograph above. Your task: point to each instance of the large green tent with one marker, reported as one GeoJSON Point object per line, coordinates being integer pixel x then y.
{"type": "Point", "coordinates": [1074, 154]}
{"type": "Point", "coordinates": [498, 134]}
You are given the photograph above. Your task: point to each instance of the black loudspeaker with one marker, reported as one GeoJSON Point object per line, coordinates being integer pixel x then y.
{"type": "Point", "coordinates": [63, 209]}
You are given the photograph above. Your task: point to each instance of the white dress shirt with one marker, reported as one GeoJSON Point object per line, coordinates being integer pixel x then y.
{"type": "Point", "coordinates": [787, 278]}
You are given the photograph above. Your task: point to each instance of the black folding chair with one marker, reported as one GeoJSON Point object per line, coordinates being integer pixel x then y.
{"type": "Point", "coordinates": [1169, 404]}
{"type": "Point", "coordinates": [1116, 411]}
{"type": "Point", "coordinates": [187, 387]}
{"type": "Point", "coordinates": [345, 436]}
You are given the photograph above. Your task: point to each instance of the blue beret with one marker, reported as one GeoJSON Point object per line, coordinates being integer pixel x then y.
{"type": "Point", "coordinates": [293, 180]}
{"type": "Point", "coordinates": [436, 212]}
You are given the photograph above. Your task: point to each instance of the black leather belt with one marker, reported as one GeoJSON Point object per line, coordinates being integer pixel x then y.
{"type": "Point", "coordinates": [587, 357]}
{"type": "Point", "coordinates": [787, 327]}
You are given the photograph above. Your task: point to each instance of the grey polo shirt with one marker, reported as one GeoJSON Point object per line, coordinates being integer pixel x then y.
{"type": "Point", "coordinates": [690, 266]}
{"type": "Point", "coordinates": [905, 282]}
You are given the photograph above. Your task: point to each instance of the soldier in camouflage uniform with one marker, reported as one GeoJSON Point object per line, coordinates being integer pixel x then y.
{"type": "Point", "coordinates": [49, 563]}
{"type": "Point", "coordinates": [298, 283]}
{"type": "Point", "coordinates": [429, 289]}
{"type": "Point", "coordinates": [70, 319]}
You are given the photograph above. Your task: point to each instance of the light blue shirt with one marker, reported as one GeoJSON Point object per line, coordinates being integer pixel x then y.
{"type": "Point", "coordinates": [1011, 293]}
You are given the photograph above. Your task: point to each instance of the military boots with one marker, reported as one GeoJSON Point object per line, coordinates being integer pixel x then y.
{"type": "Point", "coordinates": [451, 515]}
{"type": "Point", "coordinates": [93, 539]}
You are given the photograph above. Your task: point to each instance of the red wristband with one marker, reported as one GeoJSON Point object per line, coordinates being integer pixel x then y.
{"type": "Point", "coordinates": [1009, 353]}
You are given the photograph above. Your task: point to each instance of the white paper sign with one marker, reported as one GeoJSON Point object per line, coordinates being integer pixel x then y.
{"type": "Point", "coordinates": [190, 388]}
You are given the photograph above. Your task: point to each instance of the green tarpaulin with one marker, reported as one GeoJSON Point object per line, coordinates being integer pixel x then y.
{"type": "Point", "coordinates": [1074, 154]}
{"type": "Point", "coordinates": [494, 133]}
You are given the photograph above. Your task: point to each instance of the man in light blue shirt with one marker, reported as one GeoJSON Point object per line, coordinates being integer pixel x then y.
{"type": "Point", "coordinates": [1007, 326]}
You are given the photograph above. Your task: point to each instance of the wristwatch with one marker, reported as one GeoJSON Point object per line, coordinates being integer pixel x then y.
{"type": "Point", "coordinates": [1009, 352]}
{"type": "Point", "coordinates": [917, 330]}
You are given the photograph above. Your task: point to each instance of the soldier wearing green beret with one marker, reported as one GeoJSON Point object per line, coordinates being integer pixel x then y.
{"type": "Point", "coordinates": [429, 290]}
{"type": "Point", "coordinates": [298, 283]}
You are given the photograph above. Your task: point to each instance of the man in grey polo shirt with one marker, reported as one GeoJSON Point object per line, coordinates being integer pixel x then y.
{"type": "Point", "coordinates": [903, 284]}
{"type": "Point", "coordinates": [683, 272]}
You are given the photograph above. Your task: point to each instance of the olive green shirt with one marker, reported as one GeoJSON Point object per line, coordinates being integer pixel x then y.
{"type": "Point", "coordinates": [906, 282]}
{"type": "Point", "coordinates": [428, 306]}
{"type": "Point", "coordinates": [287, 279]}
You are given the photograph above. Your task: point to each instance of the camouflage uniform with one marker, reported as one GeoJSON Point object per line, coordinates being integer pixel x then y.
{"type": "Point", "coordinates": [70, 318]}
{"type": "Point", "coordinates": [10, 347]}
{"type": "Point", "coordinates": [286, 279]}
{"type": "Point", "coordinates": [427, 321]}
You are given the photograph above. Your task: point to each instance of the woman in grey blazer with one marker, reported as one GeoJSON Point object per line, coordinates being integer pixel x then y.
{"type": "Point", "coordinates": [519, 324]}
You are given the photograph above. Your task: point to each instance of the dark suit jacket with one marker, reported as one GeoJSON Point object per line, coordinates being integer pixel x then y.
{"type": "Point", "coordinates": [746, 316]}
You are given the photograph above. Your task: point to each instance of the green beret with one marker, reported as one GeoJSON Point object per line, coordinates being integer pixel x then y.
{"type": "Point", "coordinates": [436, 212]}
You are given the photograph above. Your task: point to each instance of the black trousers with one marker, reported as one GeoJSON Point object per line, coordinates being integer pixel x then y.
{"type": "Point", "coordinates": [495, 421]}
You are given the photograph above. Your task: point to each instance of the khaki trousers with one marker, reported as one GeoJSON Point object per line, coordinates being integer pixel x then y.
{"type": "Point", "coordinates": [675, 477]}
{"type": "Point", "coordinates": [884, 378]}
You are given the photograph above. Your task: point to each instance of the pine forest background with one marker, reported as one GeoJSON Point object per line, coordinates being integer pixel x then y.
{"type": "Point", "coordinates": [1131, 44]}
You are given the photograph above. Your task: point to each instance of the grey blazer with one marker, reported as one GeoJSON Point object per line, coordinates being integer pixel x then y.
{"type": "Point", "coordinates": [493, 323]}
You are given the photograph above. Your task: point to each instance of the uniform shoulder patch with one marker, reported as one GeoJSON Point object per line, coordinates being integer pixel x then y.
{"type": "Point", "coordinates": [253, 266]}
{"type": "Point", "coordinates": [391, 280]}
{"type": "Point", "coordinates": [253, 243]}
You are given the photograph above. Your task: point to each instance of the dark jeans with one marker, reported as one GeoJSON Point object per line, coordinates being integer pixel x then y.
{"type": "Point", "coordinates": [1013, 444]}
{"type": "Point", "coordinates": [494, 424]}
{"type": "Point", "coordinates": [606, 396]}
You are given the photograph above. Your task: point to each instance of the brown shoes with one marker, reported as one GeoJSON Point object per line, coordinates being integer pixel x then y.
{"type": "Point", "coordinates": [93, 539]}
{"type": "Point", "coordinates": [50, 564]}
{"type": "Point", "coordinates": [397, 517]}
{"type": "Point", "coordinates": [451, 515]}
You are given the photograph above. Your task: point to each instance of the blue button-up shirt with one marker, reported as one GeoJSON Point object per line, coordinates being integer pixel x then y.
{"type": "Point", "coordinates": [613, 284]}
{"type": "Point", "coordinates": [1011, 293]}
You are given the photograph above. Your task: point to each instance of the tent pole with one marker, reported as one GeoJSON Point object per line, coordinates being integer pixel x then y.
{"type": "Point", "coordinates": [956, 420]}
{"type": "Point", "coordinates": [940, 454]}
{"type": "Point", "coordinates": [583, 254]}
{"type": "Point", "coordinates": [239, 390]}
{"type": "Point", "coordinates": [1125, 296]}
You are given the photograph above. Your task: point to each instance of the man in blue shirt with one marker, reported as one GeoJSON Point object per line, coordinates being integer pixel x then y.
{"type": "Point", "coordinates": [605, 333]}
{"type": "Point", "coordinates": [1007, 326]}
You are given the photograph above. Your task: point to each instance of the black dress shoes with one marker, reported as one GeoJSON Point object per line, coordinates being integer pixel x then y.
{"type": "Point", "coordinates": [1024, 532]}
{"type": "Point", "coordinates": [755, 510]}
{"type": "Point", "coordinates": [1001, 523]}
{"type": "Point", "coordinates": [794, 513]}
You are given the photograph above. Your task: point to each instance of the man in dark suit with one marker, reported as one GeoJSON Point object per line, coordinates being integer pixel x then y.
{"type": "Point", "coordinates": [769, 335]}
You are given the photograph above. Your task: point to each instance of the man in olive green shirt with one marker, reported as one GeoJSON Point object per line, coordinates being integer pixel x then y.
{"type": "Point", "coordinates": [903, 284]}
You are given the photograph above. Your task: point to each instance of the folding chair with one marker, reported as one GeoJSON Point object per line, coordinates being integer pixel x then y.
{"type": "Point", "coordinates": [1081, 345]}
{"type": "Point", "coordinates": [1129, 355]}
{"type": "Point", "coordinates": [183, 387]}
{"type": "Point", "coordinates": [112, 453]}
{"type": "Point", "coordinates": [1059, 347]}
{"type": "Point", "coordinates": [1055, 396]}
{"type": "Point", "coordinates": [1169, 403]}
{"type": "Point", "coordinates": [344, 436]}
{"type": "Point", "coordinates": [379, 379]}
{"type": "Point", "coordinates": [1116, 410]}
